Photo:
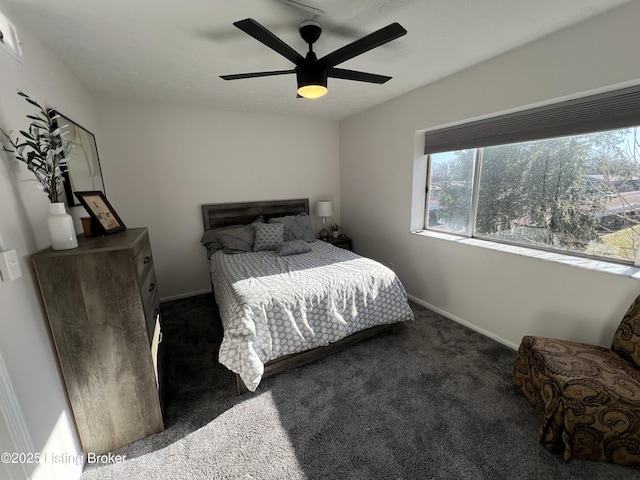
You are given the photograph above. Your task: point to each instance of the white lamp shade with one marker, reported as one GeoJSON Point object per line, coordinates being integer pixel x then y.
{"type": "Point", "coordinates": [324, 208]}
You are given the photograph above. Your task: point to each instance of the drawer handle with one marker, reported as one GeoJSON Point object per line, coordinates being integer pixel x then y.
{"type": "Point", "coordinates": [147, 259]}
{"type": "Point", "coordinates": [160, 338]}
{"type": "Point", "coordinates": [151, 287]}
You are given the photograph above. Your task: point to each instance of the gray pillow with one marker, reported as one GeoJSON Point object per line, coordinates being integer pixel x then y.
{"type": "Point", "coordinates": [268, 236]}
{"type": "Point", "coordinates": [293, 247]}
{"type": "Point", "coordinates": [296, 227]}
{"type": "Point", "coordinates": [237, 240]}
{"type": "Point", "coordinates": [210, 238]}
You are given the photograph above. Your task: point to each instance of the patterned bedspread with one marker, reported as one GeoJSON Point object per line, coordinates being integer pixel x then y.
{"type": "Point", "coordinates": [273, 306]}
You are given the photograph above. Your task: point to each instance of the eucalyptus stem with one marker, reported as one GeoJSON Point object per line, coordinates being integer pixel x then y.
{"type": "Point", "coordinates": [42, 149]}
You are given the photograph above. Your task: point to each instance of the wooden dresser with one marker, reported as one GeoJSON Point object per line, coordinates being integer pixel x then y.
{"type": "Point", "coordinates": [103, 308]}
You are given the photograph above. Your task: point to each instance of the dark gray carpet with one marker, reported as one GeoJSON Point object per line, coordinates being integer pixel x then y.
{"type": "Point", "coordinates": [434, 401]}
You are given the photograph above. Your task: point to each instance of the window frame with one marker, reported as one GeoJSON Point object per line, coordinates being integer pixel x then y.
{"type": "Point", "coordinates": [473, 215]}
{"type": "Point", "coordinates": [616, 109]}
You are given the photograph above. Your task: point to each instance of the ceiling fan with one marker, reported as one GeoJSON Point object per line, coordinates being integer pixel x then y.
{"type": "Point", "coordinates": [311, 72]}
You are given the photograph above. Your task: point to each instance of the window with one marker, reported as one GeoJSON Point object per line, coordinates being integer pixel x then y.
{"type": "Point", "coordinates": [576, 193]}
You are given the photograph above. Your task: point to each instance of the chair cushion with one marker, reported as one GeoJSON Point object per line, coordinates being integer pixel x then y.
{"type": "Point", "coordinates": [626, 341]}
{"type": "Point", "coordinates": [586, 397]}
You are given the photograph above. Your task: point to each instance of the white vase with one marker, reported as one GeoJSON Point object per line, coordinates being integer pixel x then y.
{"type": "Point", "coordinates": [61, 229]}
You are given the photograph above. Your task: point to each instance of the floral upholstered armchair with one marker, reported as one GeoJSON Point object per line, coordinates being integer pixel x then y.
{"type": "Point", "coordinates": [587, 397]}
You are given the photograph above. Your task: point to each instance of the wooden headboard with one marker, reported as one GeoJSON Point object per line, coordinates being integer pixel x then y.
{"type": "Point", "coordinates": [216, 215]}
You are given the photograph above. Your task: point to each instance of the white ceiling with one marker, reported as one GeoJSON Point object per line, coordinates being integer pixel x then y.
{"type": "Point", "coordinates": [173, 51]}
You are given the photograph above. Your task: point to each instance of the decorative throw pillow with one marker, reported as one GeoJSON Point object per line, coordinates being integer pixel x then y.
{"type": "Point", "coordinates": [292, 247]}
{"type": "Point", "coordinates": [296, 227]}
{"type": "Point", "coordinates": [268, 236]}
{"type": "Point", "coordinates": [626, 340]}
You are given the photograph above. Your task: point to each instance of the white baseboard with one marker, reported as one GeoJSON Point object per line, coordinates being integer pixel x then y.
{"type": "Point", "coordinates": [184, 295]}
{"type": "Point", "coordinates": [464, 322]}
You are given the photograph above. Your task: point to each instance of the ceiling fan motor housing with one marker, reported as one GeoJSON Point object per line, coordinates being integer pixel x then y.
{"type": "Point", "coordinates": [310, 31]}
{"type": "Point", "coordinates": [311, 74]}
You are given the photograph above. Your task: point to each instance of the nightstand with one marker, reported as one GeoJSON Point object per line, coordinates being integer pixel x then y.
{"type": "Point", "coordinates": [341, 242]}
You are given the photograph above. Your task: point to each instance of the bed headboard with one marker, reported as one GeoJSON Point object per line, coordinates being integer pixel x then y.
{"type": "Point", "coordinates": [216, 215]}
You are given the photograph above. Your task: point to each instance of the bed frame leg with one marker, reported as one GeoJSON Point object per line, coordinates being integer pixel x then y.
{"type": "Point", "coordinates": [242, 389]}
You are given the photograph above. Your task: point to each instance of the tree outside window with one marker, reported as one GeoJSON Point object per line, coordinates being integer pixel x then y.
{"type": "Point", "coordinates": [578, 194]}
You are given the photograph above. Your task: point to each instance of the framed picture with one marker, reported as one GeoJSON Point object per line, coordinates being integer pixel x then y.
{"type": "Point", "coordinates": [81, 170]}
{"type": "Point", "coordinates": [101, 211]}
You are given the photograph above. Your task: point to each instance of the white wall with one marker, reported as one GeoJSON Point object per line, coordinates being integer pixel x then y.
{"type": "Point", "coordinates": [161, 163]}
{"type": "Point", "coordinates": [505, 295]}
{"type": "Point", "coordinates": [25, 342]}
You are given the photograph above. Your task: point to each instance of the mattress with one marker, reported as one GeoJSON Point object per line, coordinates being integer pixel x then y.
{"type": "Point", "coordinates": [273, 305]}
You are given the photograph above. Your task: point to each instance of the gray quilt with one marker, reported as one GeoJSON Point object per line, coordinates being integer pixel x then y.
{"type": "Point", "coordinates": [273, 306]}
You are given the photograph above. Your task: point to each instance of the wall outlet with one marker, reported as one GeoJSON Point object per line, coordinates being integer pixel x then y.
{"type": "Point", "coordinates": [9, 266]}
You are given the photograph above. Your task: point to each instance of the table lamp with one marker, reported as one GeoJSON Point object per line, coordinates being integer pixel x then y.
{"type": "Point", "coordinates": [324, 209]}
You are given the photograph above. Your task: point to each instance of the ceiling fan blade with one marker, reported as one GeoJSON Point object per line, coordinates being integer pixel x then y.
{"type": "Point", "coordinates": [357, 76]}
{"type": "Point", "coordinates": [239, 76]}
{"type": "Point", "coordinates": [373, 40]}
{"type": "Point", "coordinates": [257, 31]}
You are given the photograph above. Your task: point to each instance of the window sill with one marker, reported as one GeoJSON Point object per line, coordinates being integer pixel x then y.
{"type": "Point", "coordinates": [586, 263]}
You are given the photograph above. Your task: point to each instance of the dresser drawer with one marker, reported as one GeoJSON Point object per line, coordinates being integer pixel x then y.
{"type": "Point", "coordinates": [144, 261]}
{"type": "Point", "coordinates": [150, 302]}
{"type": "Point", "coordinates": [148, 289]}
{"type": "Point", "coordinates": [152, 314]}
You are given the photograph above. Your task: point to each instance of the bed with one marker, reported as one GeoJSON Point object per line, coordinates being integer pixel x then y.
{"type": "Point", "coordinates": [281, 309]}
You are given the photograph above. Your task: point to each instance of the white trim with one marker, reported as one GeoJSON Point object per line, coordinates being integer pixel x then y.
{"type": "Point", "coordinates": [184, 295]}
{"type": "Point", "coordinates": [592, 264]}
{"type": "Point", "coordinates": [461, 321]}
{"type": "Point", "coordinates": [14, 420]}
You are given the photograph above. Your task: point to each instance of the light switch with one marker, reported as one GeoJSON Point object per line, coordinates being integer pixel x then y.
{"type": "Point", "coordinates": [9, 265]}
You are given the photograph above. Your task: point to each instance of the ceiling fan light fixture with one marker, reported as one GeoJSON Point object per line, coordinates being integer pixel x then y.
{"type": "Point", "coordinates": [311, 83]}
{"type": "Point", "coordinates": [312, 91]}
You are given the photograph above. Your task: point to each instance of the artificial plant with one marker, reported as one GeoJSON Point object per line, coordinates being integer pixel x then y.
{"type": "Point", "coordinates": [43, 149]}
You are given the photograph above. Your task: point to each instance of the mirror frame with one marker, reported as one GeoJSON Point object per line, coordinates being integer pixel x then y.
{"type": "Point", "coordinates": [83, 145]}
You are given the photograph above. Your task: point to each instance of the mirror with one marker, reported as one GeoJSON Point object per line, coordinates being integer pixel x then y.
{"type": "Point", "coordinates": [82, 172]}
